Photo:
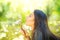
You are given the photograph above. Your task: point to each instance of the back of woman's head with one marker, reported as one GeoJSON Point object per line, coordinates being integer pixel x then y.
{"type": "Point", "coordinates": [41, 30]}
{"type": "Point", "coordinates": [40, 17]}
{"type": "Point", "coordinates": [40, 24]}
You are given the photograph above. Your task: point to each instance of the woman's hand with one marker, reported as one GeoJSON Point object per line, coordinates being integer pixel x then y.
{"type": "Point", "coordinates": [25, 33]}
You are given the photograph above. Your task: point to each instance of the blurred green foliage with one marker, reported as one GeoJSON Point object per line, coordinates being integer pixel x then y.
{"type": "Point", "coordinates": [13, 14]}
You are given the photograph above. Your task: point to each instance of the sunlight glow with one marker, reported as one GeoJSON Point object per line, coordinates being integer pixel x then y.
{"type": "Point", "coordinates": [29, 4]}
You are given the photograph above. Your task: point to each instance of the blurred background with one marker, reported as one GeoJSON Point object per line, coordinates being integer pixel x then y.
{"type": "Point", "coordinates": [13, 14]}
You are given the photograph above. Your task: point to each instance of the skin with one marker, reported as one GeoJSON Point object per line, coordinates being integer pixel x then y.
{"type": "Point", "coordinates": [30, 21]}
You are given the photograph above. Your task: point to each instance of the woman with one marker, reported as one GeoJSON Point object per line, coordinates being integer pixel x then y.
{"type": "Point", "coordinates": [39, 25]}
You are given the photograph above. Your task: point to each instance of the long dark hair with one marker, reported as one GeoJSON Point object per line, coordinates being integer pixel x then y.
{"type": "Point", "coordinates": [41, 30]}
